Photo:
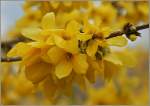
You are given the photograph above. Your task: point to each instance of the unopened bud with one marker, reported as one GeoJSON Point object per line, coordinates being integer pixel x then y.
{"type": "Point", "coordinates": [132, 37]}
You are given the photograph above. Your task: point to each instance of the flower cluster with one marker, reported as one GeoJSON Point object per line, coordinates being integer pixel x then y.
{"type": "Point", "coordinates": [68, 44]}
{"type": "Point", "coordinates": [55, 55]}
{"type": "Point", "coordinates": [97, 12]}
{"type": "Point", "coordinates": [121, 90]}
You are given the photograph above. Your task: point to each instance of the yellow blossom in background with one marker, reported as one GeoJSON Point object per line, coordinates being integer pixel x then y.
{"type": "Point", "coordinates": [67, 55]}
{"type": "Point", "coordinates": [121, 90]}
{"type": "Point", "coordinates": [58, 48]}
{"type": "Point", "coordinates": [31, 18]}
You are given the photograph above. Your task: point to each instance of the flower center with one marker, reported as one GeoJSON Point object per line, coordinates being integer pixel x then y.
{"type": "Point", "coordinates": [66, 37]}
{"type": "Point", "coordinates": [69, 56]}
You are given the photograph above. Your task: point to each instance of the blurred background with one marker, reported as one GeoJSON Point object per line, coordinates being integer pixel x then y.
{"type": "Point", "coordinates": [12, 10]}
{"type": "Point", "coordinates": [134, 82]}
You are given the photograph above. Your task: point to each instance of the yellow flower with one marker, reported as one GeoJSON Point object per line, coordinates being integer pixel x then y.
{"type": "Point", "coordinates": [49, 88]}
{"type": "Point", "coordinates": [73, 47]}
{"type": "Point", "coordinates": [105, 95]}
{"type": "Point", "coordinates": [66, 62]}
{"type": "Point", "coordinates": [112, 66]}
{"type": "Point", "coordinates": [31, 54]}
{"type": "Point", "coordinates": [48, 28]}
{"type": "Point", "coordinates": [70, 58]}
{"type": "Point", "coordinates": [109, 66]}
{"type": "Point", "coordinates": [30, 19]}
{"type": "Point", "coordinates": [133, 12]}
{"type": "Point", "coordinates": [125, 55]}
{"type": "Point", "coordinates": [100, 16]}
{"type": "Point", "coordinates": [143, 10]}
{"type": "Point", "coordinates": [20, 49]}
{"type": "Point", "coordinates": [64, 17]}
{"type": "Point", "coordinates": [68, 40]}
{"type": "Point", "coordinates": [26, 86]}
{"type": "Point", "coordinates": [98, 38]}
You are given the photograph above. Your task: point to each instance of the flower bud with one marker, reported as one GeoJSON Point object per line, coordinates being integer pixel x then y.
{"type": "Point", "coordinates": [132, 37]}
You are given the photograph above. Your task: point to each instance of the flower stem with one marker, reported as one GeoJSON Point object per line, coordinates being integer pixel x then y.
{"type": "Point", "coordinates": [142, 27]}
{"type": "Point", "coordinates": [12, 59]}
{"type": "Point", "coordinates": [120, 33]}
{"type": "Point", "coordinates": [114, 34]}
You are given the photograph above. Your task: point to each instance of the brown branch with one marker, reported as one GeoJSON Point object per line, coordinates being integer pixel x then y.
{"type": "Point", "coordinates": [11, 42]}
{"type": "Point", "coordinates": [142, 27]}
{"type": "Point", "coordinates": [127, 29]}
{"type": "Point", "coordinates": [13, 59]}
{"type": "Point", "coordinates": [114, 34]}
{"type": "Point", "coordinates": [7, 45]}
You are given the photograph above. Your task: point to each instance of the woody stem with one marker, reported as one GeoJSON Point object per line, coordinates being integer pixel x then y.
{"type": "Point", "coordinates": [120, 33]}
{"type": "Point", "coordinates": [128, 26]}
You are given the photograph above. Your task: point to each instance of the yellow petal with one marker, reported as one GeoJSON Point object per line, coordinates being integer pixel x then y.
{"type": "Point", "coordinates": [49, 88]}
{"type": "Point", "coordinates": [84, 37]}
{"type": "Point", "coordinates": [46, 58]}
{"type": "Point", "coordinates": [95, 64]}
{"type": "Point", "coordinates": [54, 4]}
{"type": "Point", "coordinates": [48, 21]}
{"type": "Point", "coordinates": [113, 59]}
{"type": "Point", "coordinates": [90, 75]}
{"type": "Point", "coordinates": [31, 57]}
{"type": "Point", "coordinates": [80, 79]}
{"type": "Point", "coordinates": [26, 85]}
{"type": "Point", "coordinates": [80, 64]}
{"type": "Point", "coordinates": [49, 32]}
{"type": "Point", "coordinates": [70, 46]}
{"type": "Point", "coordinates": [50, 40]}
{"type": "Point", "coordinates": [59, 41]}
{"type": "Point", "coordinates": [92, 48]}
{"type": "Point", "coordinates": [72, 28]}
{"type": "Point", "coordinates": [55, 54]}
{"type": "Point", "coordinates": [20, 49]}
{"type": "Point", "coordinates": [37, 44]}
{"type": "Point", "coordinates": [117, 41]}
{"type": "Point", "coordinates": [110, 70]}
{"type": "Point", "coordinates": [37, 71]}
{"type": "Point", "coordinates": [74, 15]}
{"type": "Point", "coordinates": [33, 33]}
{"type": "Point", "coordinates": [63, 69]}
{"type": "Point", "coordinates": [90, 28]}
{"type": "Point", "coordinates": [105, 31]}
{"type": "Point", "coordinates": [67, 3]}
{"type": "Point", "coordinates": [124, 56]}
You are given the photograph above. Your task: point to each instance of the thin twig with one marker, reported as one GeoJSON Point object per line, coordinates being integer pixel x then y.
{"type": "Point", "coordinates": [142, 27]}
{"type": "Point", "coordinates": [13, 59]}
{"type": "Point", "coordinates": [11, 42]}
{"type": "Point", "coordinates": [120, 33]}
{"type": "Point", "coordinates": [114, 34]}
{"type": "Point", "coordinates": [7, 45]}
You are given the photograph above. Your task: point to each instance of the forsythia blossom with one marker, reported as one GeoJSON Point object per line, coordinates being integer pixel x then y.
{"type": "Point", "coordinates": [53, 57]}
{"type": "Point", "coordinates": [65, 48]}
